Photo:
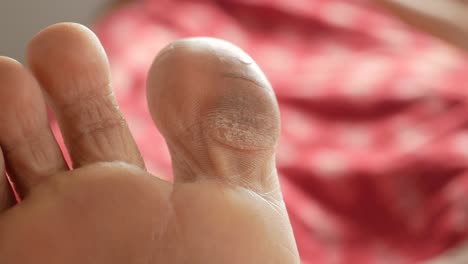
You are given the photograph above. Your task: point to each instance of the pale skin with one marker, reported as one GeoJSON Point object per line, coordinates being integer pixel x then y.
{"type": "Point", "coordinates": [220, 119]}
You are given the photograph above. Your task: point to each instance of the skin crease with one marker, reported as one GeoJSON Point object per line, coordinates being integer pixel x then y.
{"type": "Point", "coordinates": [220, 119]}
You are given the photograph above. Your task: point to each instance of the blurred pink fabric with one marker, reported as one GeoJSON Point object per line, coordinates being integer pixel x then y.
{"type": "Point", "coordinates": [373, 155]}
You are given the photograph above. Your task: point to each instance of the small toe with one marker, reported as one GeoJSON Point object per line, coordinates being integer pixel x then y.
{"type": "Point", "coordinates": [73, 70]}
{"type": "Point", "coordinates": [30, 150]}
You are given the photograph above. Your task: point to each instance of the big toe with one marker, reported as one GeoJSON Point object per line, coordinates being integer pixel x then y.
{"type": "Point", "coordinates": [217, 112]}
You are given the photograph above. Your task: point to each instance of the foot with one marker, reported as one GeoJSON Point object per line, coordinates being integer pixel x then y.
{"type": "Point", "coordinates": [220, 120]}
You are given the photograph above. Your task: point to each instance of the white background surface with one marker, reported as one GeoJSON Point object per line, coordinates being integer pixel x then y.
{"type": "Point", "coordinates": [22, 19]}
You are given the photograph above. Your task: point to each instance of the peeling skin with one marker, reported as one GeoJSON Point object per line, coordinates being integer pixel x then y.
{"type": "Point", "coordinates": [241, 131]}
{"type": "Point", "coordinates": [244, 117]}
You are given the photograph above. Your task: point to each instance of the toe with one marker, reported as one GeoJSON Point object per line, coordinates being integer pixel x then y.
{"type": "Point", "coordinates": [30, 150]}
{"type": "Point", "coordinates": [6, 195]}
{"type": "Point", "coordinates": [216, 111]}
{"type": "Point", "coordinates": [73, 70]}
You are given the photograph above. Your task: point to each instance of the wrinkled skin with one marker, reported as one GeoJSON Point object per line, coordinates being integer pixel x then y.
{"type": "Point", "coordinates": [220, 119]}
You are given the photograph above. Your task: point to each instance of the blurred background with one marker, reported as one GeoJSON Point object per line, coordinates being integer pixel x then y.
{"type": "Point", "coordinates": [27, 17]}
{"type": "Point", "coordinates": [374, 147]}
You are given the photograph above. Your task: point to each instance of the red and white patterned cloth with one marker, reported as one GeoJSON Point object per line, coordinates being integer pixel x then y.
{"type": "Point", "coordinates": [373, 156]}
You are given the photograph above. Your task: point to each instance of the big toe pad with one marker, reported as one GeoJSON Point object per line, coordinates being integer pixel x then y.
{"type": "Point", "coordinates": [216, 111]}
